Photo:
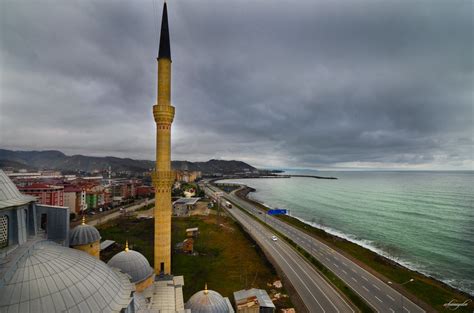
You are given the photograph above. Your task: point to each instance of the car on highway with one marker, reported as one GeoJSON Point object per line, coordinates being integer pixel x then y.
{"type": "Point", "coordinates": [274, 238]}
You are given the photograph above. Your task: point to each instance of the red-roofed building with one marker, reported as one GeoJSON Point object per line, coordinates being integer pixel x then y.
{"type": "Point", "coordinates": [145, 191]}
{"type": "Point", "coordinates": [46, 194]}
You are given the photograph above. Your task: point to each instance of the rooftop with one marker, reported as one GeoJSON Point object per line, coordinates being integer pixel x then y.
{"type": "Point", "coordinates": [186, 201]}
{"type": "Point", "coordinates": [165, 295]}
{"type": "Point", "coordinates": [72, 189]}
{"type": "Point", "coordinates": [105, 244]}
{"type": "Point", "coordinates": [40, 186]}
{"type": "Point", "coordinates": [242, 296]}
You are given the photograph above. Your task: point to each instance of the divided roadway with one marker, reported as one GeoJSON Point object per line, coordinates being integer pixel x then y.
{"type": "Point", "coordinates": [378, 294]}
{"type": "Point", "coordinates": [315, 292]}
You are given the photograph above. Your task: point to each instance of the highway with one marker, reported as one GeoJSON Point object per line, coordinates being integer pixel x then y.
{"type": "Point", "coordinates": [378, 294]}
{"type": "Point", "coordinates": [314, 291]}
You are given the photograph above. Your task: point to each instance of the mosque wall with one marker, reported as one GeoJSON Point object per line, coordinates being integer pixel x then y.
{"type": "Point", "coordinates": [18, 226]}
{"type": "Point", "coordinates": [92, 249]}
{"type": "Point", "coordinates": [144, 284]}
{"type": "Point", "coordinates": [55, 220]}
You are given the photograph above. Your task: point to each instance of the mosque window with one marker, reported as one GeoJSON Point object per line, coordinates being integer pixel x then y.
{"type": "Point", "coordinates": [3, 231]}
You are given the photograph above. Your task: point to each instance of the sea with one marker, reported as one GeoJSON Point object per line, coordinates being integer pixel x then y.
{"type": "Point", "coordinates": [422, 220]}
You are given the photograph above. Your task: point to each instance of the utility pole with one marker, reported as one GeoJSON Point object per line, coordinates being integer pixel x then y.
{"type": "Point", "coordinates": [218, 198]}
{"type": "Point", "coordinates": [401, 295]}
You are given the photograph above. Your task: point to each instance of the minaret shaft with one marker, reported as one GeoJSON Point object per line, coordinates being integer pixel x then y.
{"type": "Point", "coordinates": [163, 177]}
{"type": "Point", "coordinates": [164, 82]}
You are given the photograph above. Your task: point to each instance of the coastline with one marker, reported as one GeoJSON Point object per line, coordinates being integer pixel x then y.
{"type": "Point", "coordinates": [337, 239]}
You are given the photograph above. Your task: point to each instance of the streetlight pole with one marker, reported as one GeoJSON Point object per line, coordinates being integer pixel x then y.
{"type": "Point", "coordinates": [401, 296]}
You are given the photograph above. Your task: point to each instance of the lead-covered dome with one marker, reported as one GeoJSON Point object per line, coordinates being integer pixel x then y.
{"type": "Point", "coordinates": [53, 278]}
{"type": "Point", "coordinates": [207, 301]}
{"type": "Point", "coordinates": [83, 235]}
{"type": "Point", "coordinates": [132, 263]}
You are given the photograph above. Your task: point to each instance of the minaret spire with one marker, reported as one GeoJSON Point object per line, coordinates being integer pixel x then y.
{"type": "Point", "coordinates": [165, 50]}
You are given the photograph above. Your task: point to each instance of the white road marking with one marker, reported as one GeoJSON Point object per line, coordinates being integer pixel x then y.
{"type": "Point", "coordinates": [344, 264]}
{"type": "Point", "coordinates": [364, 278]}
{"type": "Point", "coordinates": [378, 299]}
{"type": "Point", "coordinates": [336, 265]}
{"type": "Point", "coordinates": [406, 309]}
{"type": "Point", "coordinates": [365, 288]}
{"type": "Point", "coordinates": [297, 264]}
{"type": "Point", "coordinates": [284, 260]}
{"type": "Point", "coordinates": [376, 287]}
{"type": "Point", "coordinates": [391, 310]}
{"type": "Point", "coordinates": [344, 272]}
{"type": "Point", "coordinates": [354, 279]}
{"type": "Point", "coordinates": [391, 298]}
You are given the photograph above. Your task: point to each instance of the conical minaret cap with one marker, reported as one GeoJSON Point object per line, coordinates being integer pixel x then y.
{"type": "Point", "coordinates": [165, 50]}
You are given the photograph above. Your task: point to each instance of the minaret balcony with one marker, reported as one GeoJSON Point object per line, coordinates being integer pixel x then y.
{"type": "Point", "coordinates": [163, 113]}
{"type": "Point", "coordinates": [163, 179]}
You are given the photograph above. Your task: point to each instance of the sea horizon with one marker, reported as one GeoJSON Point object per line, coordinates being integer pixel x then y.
{"type": "Point", "coordinates": [289, 170]}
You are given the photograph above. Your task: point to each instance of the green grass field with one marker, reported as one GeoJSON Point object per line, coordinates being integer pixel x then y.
{"type": "Point", "coordinates": [227, 260]}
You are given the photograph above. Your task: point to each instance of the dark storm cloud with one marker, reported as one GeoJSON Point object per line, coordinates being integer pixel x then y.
{"type": "Point", "coordinates": [284, 83]}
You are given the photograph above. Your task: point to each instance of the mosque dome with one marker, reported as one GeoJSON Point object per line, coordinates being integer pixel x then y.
{"type": "Point", "coordinates": [83, 235]}
{"type": "Point", "coordinates": [207, 301]}
{"type": "Point", "coordinates": [132, 263]}
{"type": "Point", "coordinates": [53, 278]}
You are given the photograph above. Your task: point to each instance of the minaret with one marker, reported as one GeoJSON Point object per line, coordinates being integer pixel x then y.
{"type": "Point", "coordinates": [163, 177]}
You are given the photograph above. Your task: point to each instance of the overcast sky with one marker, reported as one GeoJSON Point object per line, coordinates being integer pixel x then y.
{"type": "Point", "coordinates": [320, 84]}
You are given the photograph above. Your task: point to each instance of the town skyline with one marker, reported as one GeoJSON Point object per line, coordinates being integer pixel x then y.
{"type": "Point", "coordinates": [295, 85]}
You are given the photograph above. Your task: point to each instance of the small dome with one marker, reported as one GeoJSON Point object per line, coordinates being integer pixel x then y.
{"type": "Point", "coordinates": [207, 301]}
{"type": "Point", "coordinates": [132, 263]}
{"type": "Point", "coordinates": [83, 235]}
{"type": "Point", "coordinates": [53, 278]}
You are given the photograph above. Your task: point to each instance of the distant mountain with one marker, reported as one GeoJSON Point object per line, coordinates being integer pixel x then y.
{"type": "Point", "coordinates": [56, 160]}
{"type": "Point", "coordinates": [15, 165]}
{"type": "Point", "coordinates": [214, 166]}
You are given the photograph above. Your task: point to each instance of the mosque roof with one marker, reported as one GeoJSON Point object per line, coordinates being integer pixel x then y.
{"type": "Point", "coordinates": [53, 278]}
{"type": "Point", "coordinates": [83, 234]}
{"type": "Point", "coordinates": [260, 294]}
{"type": "Point", "coordinates": [9, 194]}
{"type": "Point", "coordinates": [208, 301]}
{"type": "Point", "coordinates": [132, 263]}
{"type": "Point", "coordinates": [165, 295]}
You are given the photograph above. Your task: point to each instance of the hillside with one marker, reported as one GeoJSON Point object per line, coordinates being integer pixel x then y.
{"type": "Point", "coordinates": [56, 160]}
